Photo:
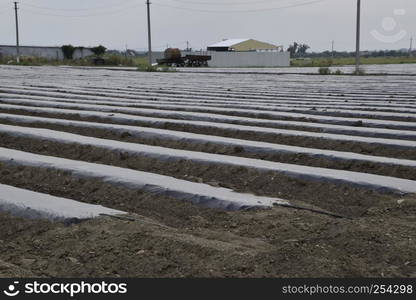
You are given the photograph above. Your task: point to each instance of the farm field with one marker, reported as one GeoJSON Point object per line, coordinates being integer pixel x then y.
{"type": "Point", "coordinates": [393, 69]}
{"type": "Point", "coordinates": [207, 173]}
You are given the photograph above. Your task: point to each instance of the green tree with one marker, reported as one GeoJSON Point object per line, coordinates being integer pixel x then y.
{"type": "Point", "coordinates": [298, 50]}
{"type": "Point", "coordinates": [302, 49]}
{"type": "Point", "coordinates": [293, 49]}
{"type": "Point", "coordinates": [99, 50]}
{"type": "Point", "coordinates": [68, 51]}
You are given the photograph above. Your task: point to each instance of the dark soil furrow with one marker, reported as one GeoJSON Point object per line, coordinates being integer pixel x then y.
{"type": "Point", "coordinates": [345, 199]}
{"type": "Point", "coordinates": [392, 151]}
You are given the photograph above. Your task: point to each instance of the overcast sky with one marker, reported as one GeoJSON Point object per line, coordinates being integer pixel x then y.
{"type": "Point", "coordinates": [386, 24]}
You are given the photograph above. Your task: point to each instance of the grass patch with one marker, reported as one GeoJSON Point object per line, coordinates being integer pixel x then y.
{"type": "Point", "coordinates": [324, 71]}
{"type": "Point", "coordinates": [341, 61]}
{"type": "Point", "coordinates": [108, 60]}
{"type": "Point", "coordinates": [327, 71]}
{"type": "Point", "coordinates": [149, 68]}
{"type": "Point", "coordinates": [359, 72]}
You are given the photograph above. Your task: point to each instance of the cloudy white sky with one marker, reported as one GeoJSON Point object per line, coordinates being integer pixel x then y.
{"type": "Point", "coordinates": [387, 24]}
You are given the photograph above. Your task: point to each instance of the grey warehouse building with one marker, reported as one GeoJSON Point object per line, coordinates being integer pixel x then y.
{"type": "Point", "coordinates": [43, 52]}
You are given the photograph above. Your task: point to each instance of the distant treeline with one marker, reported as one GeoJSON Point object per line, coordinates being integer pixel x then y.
{"type": "Point", "coordinates": [379, 53]}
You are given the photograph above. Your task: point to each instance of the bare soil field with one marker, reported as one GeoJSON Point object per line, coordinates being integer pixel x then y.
{"type": "Point", "coordinates": [219, 174]}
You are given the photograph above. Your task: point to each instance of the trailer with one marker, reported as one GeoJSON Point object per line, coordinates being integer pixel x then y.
{"type": "Point", "coordinates": [197, 60]}
{"type": "Point", "coordinates": [173, 58]}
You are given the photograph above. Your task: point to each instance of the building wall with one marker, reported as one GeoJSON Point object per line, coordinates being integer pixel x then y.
{"type": "Point", "coordinates": [240, 59]}
{"type": "Point", "coordinates": [44, 52]}
{"type": "Point", "coordinates": [249, 59]}
{"type": "Point", "coordinates": [253, 45]}
{"type": "Point", "coordinates": [81, 53]}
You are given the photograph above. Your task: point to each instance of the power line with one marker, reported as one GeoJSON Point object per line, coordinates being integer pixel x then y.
{"type": "Point", "coordinates": [229, 3]}
{"type": "Point", "coordinates": [303, 3]}
{"type": "Point", "coordinates": [83, 15]}
{"type": "Point", "coordinates": [5, 10]}
{"type": "Point", "coordinates": [80, 9]}
{"type": "Point", "coordinates": [242, 10]}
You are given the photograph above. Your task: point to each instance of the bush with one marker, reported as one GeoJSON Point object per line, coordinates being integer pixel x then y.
{"type": "Point", "coordinates": [338, 72]}
{"type": "Point", "coordinates": [146, 68]}
{"type": "Point", "coordinates": [324, 71]}
{"type": "Point", "coordinates": [99, 50]}
{"type": "Point", "coordinates": [7, 60]}
{"type": "Point", "coordinates": [360, 72]}
{"type": "Point", "coordinates": [68, 51]}
{"type": "Point", "coordinates": [149, 68]}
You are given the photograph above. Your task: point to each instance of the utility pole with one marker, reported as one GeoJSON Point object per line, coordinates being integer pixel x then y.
{"type": "Point", "coordinates": [411, 47]}
{"type": "Point", "coordinates": [357, 50]}
{"type": "Point", "coordinates": [149, 33]}
{"type": "Point", "coordinates": [17, 33]}
{"type": "Point", "coordinates": [333, 49]}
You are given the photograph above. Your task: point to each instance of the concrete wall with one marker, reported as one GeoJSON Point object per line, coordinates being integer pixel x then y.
{"type": "Point", "coordinates": [44, 52]}
{"type": "Point", "coordinates": [249, 59]}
